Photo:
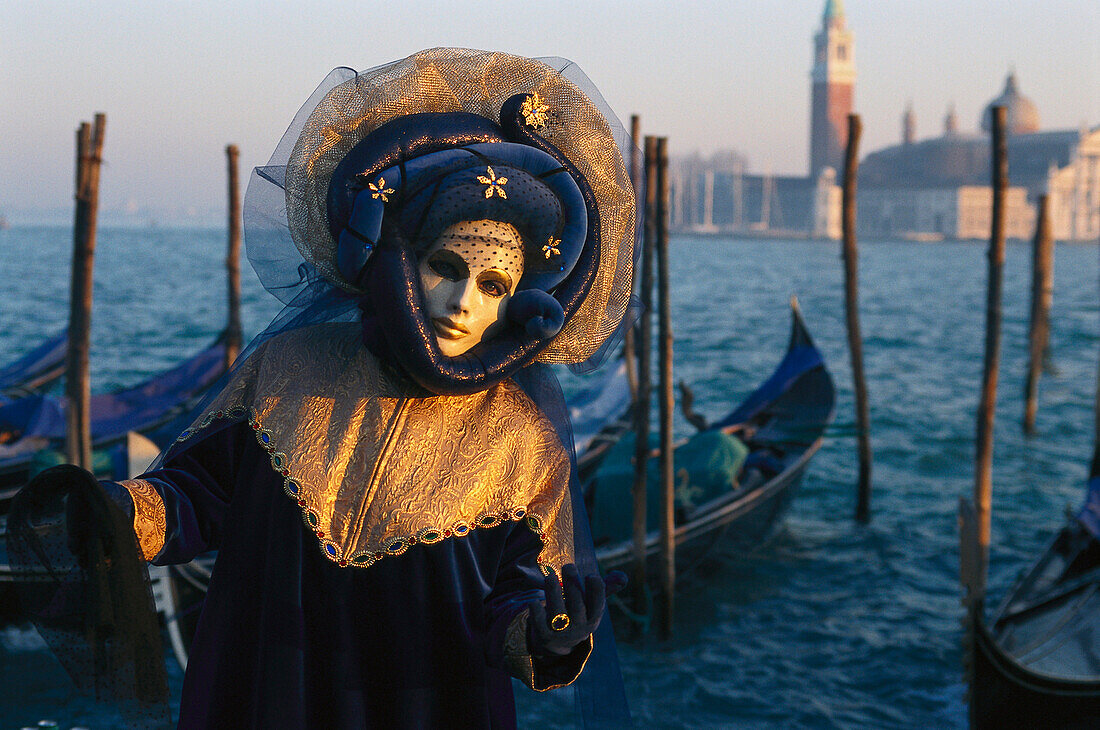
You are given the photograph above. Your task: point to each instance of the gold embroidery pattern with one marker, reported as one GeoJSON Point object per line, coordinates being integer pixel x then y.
{"type": "Point", "coordinates": [517, 660]}
{"type": "Point", "coordinates": [376, 471]}
{"type": "Point", "coordinates": [149, 519]}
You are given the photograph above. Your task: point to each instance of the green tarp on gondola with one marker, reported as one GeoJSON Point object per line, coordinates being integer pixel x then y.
{"type": "Point", "coordinates": [704, 467]}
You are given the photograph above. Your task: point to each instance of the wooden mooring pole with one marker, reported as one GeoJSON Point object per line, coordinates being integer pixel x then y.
{"type": "Point", "coordinates": [630, 336]}
{"type": "Point", "coordinates": [89, 151]}
{"type": "Point", "coordinates": [233, 260]}
{"type": "Point", "coordinates": [851, 308]}
{"type": "Point", "coordinates": [1042, 294]}
{"type": "Point", "coordinates": [668, 511]}
{"type": "Point", "coordinates": [645, 379]}
{"type": "Point", "coordinates": [983, 462]}
{"type": "Point", "coordinates": [1094, 467]}
{"type": "Point", "coordinates": [974, 515]}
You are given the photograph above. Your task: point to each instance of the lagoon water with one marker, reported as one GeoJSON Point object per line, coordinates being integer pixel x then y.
{"type": "Point", "coordinates": [832, 624]}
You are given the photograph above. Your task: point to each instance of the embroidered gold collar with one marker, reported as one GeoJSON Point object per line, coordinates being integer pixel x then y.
{"type": "Point", "coordinates": [377, 467]}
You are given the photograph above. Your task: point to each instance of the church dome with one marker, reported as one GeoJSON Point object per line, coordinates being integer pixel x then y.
{"type": "Point", "coordinates": [1023, 116]}
{"type": "Point", "coordinates": [943, 162]}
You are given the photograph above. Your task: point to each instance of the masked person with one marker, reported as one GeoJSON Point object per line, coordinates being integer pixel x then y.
{"type": "Point", "coordinates": [388, 473]}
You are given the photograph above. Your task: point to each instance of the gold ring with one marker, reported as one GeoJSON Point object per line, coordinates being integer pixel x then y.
{"type": "Point", "coordinates": [560, 622]}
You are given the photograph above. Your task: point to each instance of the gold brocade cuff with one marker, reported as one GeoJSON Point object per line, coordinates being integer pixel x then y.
{"type": "Point", "coordinates": [149, 520]}
{"type": "Point", "coordinates": [542, 673]}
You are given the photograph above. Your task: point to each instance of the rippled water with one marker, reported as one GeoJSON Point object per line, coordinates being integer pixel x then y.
{"type": "Point", "coordinates": [832, 624]}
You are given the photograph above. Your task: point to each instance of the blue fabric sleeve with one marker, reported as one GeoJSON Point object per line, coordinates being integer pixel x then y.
{"type": "Point", "coordinates": [519, 582]}
{"type": "Point", "coordinates": [196, 485]}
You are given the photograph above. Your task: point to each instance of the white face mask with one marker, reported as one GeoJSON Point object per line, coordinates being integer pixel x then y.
{"type": "Point", "coordinates": [468, 275]}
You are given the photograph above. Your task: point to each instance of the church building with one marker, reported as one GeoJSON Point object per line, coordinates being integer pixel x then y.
{"type": "Point", "coordinates": [940, 187]}
{"type": "Point", "coordinates": [919, 189]}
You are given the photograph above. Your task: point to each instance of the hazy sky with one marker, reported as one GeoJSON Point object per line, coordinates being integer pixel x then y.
{"type": "Point", "coordinates": [179, 80]}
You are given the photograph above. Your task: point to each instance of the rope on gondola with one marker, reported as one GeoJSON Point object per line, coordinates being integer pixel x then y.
{"type": "Point", "coordinates": [184, 573]}
{"type": "Point", "coordinates": [641, 620]}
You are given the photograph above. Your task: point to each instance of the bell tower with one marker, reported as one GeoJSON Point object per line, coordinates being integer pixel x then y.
{"type": "Point", "coordinates": [833, 77]}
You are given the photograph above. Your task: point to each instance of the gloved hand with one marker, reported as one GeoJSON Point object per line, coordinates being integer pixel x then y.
{"type": "Point", "coordinates": [90, 519]}
{"type": "Point", "coordinates": [571, 612]}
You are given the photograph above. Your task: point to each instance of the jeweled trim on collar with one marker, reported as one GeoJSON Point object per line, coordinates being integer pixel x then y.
{"type": "Point", "coordinates": [390, 441]}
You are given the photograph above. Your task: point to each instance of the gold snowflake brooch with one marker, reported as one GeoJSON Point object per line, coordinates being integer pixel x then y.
{"type": "Point", "coordinates": [534, 111]}
{"type": "Point", "coordinates": [378, 189]}
{"type": "Point", "coordinates": [551, 247]}
{"type": "Point", "coordinates": [496, 184]}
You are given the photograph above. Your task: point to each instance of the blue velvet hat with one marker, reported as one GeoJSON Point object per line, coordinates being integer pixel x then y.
{"type": "Point", "coordinates": [502, 181]}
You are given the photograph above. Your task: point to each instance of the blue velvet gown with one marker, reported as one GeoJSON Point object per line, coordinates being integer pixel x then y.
{"type": "Point", "coordinates": [431, 633]}
{"type": "Point", "coordinates": [289, 639]}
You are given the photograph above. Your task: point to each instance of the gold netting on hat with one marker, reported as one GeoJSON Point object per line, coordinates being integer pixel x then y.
{"type": "Point", "coordinates": [478, 82]}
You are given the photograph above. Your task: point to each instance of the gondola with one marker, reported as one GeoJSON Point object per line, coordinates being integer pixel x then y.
{"type": "Point", "coordinates": [600, 414]}
{"type": "Point", "coordinates": [35, 370]}
{"type": "Point", "coordinates": [1036, 663]}
{"type": "Point", "coordinates": [782, 424]}
{"type": "Point", "coordinates": [149, 408]}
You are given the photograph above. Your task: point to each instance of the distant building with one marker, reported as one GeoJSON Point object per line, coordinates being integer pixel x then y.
{"type": "Point", "coordinates": [833, 82]}
{"type": "Point", "coordinates": [963, 212]}
{"type": "Point", "coordinates": [707, 193]}
{"type": "Point", "coordinates": [919, 189]}
{"type": "Point", "coordinates": [718, 194]}
{"type": "Point", "coordinates": [940, 187]}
